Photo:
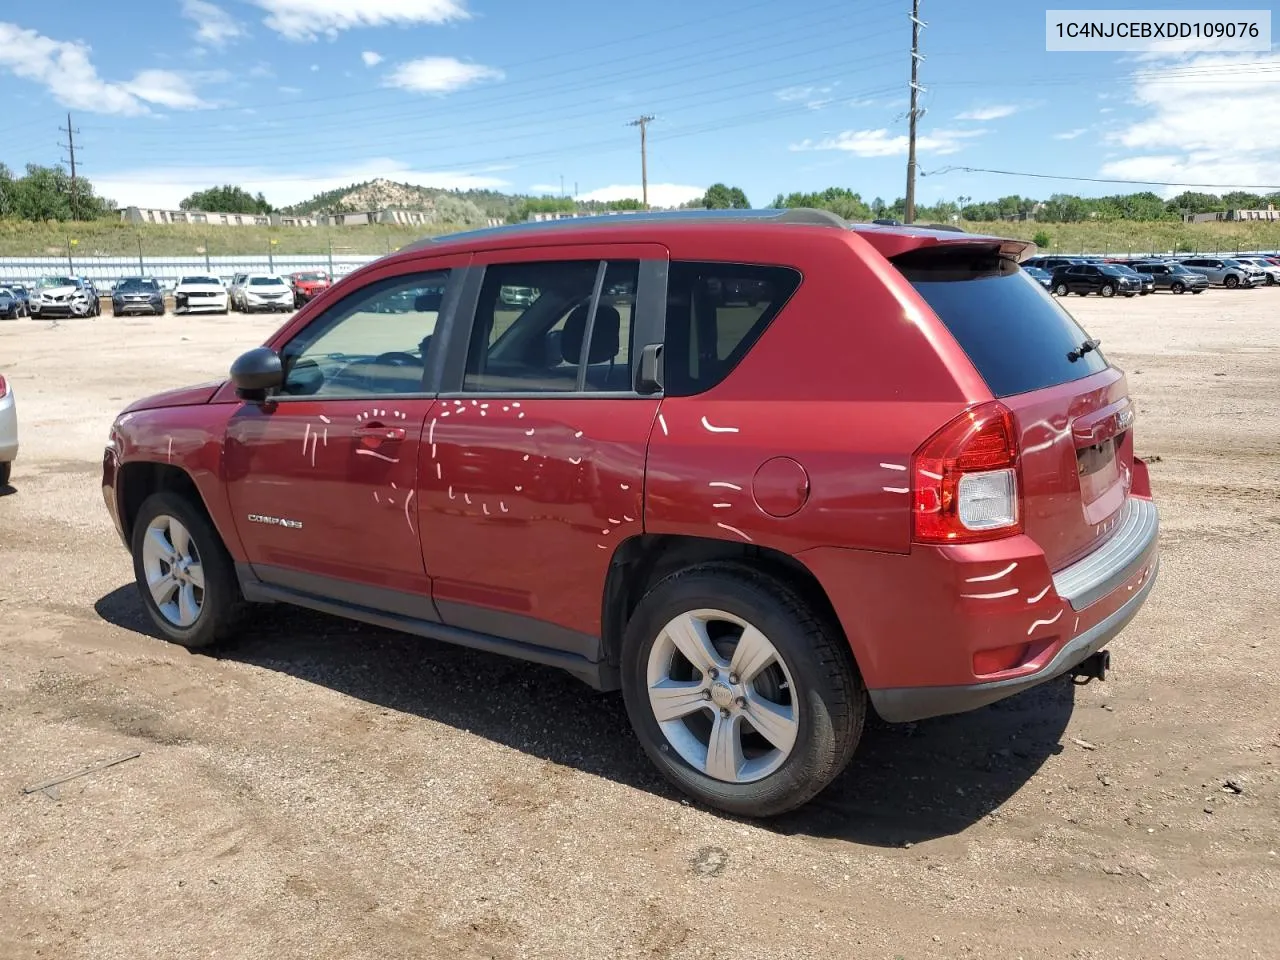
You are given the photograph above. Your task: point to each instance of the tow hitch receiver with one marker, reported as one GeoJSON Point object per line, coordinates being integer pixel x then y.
{"type": "Point", "coordinates": [1092, 667]}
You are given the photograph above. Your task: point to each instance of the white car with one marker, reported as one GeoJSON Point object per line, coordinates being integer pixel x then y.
{"type": "Point", "coordinates": [62, 296]}
{"type": "Point", "coordinates": [1270, 270]}
{"type": "Point", "coordinates": [8, 431]}
{"type": "Point", "coordinates": [200, 294]}
{"type": "Point", "coordinates": [266, 291]}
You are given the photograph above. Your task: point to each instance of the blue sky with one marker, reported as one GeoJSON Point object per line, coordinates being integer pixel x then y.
{"type": "Point", "coordinates": [292, 97]}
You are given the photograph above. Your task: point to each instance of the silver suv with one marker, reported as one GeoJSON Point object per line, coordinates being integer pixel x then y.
{"type": "Point", "coordinates": [1227, 272]}
{"type": "Point", "coordinates": [1269, 270]}
{"type": "Point", "coordinates": [1172, 276]}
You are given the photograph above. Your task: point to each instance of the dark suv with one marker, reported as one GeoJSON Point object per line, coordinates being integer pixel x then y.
{"type": "Point", "coordinates": [1172, 276]}
{"type": "Point", "coordinates": [137, 295]}
{"type": "Point", "coordinates": [760, 470]}
{"type": "Point", "coordinates": [1104, 279]}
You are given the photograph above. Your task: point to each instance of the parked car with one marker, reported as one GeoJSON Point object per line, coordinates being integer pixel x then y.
{"type": "Point", "coordinates": [1051, 263]}
{"type": "Point", "coordinates": [235, 291]}
{"type": "Point", "coordinates": [1172, 276]}
{"type": "Point", "coordinates": [63, 296]}
{"type": "Point", "coordinates": [1147, 284]}
{"type": "Point", "coordinates": [1105, 279]}
{"type": "Point", "coordinates": [308, 284]}
{"type": "Point", "coordinates": [1270, 271]}
{"type": "Point", "coordinates": [137, 295]}
{"type": "Point", "coordinates": [647, 494]}
{"type": "Point", "coordinates": [1040, 275]}
{"type": "Point", "coordinates": [200, 294]}
{"type": "Point", "coordinates": [8, 431]}
{"type": "Point", "coordinates": [1225, 271]}
{"type": "Point", "coordinates": [265, 291]}
{"type": "Point", "coordinates": [10, 305]}
{"type": "Point", "coordinates": [22, 295]}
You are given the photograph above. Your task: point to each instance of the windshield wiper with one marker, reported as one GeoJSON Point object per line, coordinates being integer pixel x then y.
{"type": "Point", "coordinates": [1080, 351]}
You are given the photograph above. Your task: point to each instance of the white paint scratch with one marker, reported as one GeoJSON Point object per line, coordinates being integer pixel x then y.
{"type": "Point", "coordinates": [725, 526]}
{"type": "Point", "coordinates": [433, 451]}
{"type": "Point", "coordinates": [406, 511]}
{"type": "Point", "coordinates": [896, 489]}
{"type": "Point", "coordinates": [451, 497]}
{"type": "Point", "coordinates": [1043, 623]}
{"type": "Point", "coordinates": [394, 487]}
{"type": "Point", "coordinates": [431, 432]}
{"type": "Point", "coordinates": [467, 498]}
{"type": "Point", "coordinates": [990, 596]}
{"type": "Point", "coordinates": [314, 438]}
{"type": "Point", "coordinates": [484, 406]}
{"type": "Point", "coordinates": [444, 413]}
{"type": "Point", "coordinates": [614, 522]}
{"type": "Point", "coordinates": [995, 576]}
{"type": "Point", "coordinates": [628, 519]}
{"type": "Point", "coordinates": [721, 505]}
{"type": "Point", "coordinates": [577, 435]}
{"type": "Point", "coordinates": [526, 457]}
{"type": "Point", "coordinates": [725, 484]}
{"type": "Point", "coordinates": [714, 429]}
{"type": "Point", "coordinates": [575, 460]}
{"type": "Point", "coordinates": [485, 508]}
{"type": "Point", "coordinates": [529, 432]}
{"type": "Point", "coordinates": [306, 438]}
{"type": "Point", "coordinates": [375, 497]}
{"type": "Point", "coordinates": [438, 477]}
{"type": "Point", "coordinates": [506, 407]}
{"type": "Point", "coordinates": [625, 486]}
{"type": "Point", "coordinates": [516, 404]}
{"type": "Point", "coordinates": [520, 416]}
{"type": "Point", "coordinates": [502, 506]}
{"type": "Point", "coordinates": [605, 532]}
{"type": "Point", "coordinates": [169, 455]}
{"type": "Point", "coordinates": [893, 466]}
{"type": "Point", "coordinates": [601, 546]}
{"type": "Point", "coordinates": [519, 488]}
{"type": "Point", "coordinates": [373, 453]}
{"type": "Point", "coordinates": [326, 436]}
{"type": "Point", "coordinates": [662, 422]}
{"type": "Point", "coordinates": [1039, 596]}
{"type": "Point", "coordinates": [324, 419]}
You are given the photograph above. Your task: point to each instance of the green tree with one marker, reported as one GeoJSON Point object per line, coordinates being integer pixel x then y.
{"type": "Point", "coordinates": [839, 200]}
{"type": "Point", "coordinates": [721, 197]}
{"type": "Point", "coordinates": [1042, 239]}
{"type": "Point", "coordinates": [227, 199]}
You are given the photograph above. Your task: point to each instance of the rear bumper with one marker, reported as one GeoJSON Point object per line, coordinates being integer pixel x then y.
{"type": "Point", "coordinates": [1105, 590]}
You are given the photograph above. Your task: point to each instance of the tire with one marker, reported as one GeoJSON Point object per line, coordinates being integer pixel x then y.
{"type": "Point", "coordinates": [1061, 290]}
{"type": "Point", "coordinates": [1197, 290]}
{"type": "Point", "coordinates": [1177, 287]}
{"type": "Point", "coordinates": [1231, 281]}
{"type": "Point", "coordinates": [807, 651]}
{"type": "Point", "coordinates": [6, 471]}
{"type": "Point", "coordinates": [218, 606]}
{"type": "Point", "coordinates": [1107, 290]}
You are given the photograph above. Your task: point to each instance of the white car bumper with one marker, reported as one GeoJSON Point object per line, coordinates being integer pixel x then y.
{"type": "Point", "coordinates": [203, 303]}
{"type": "Point", "coordinates": [253, 301]}
{"type": "Point", "coordinates": [8, 428]}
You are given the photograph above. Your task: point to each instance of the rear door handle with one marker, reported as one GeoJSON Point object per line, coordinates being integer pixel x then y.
{"type": "Point", "coordinates": [376, 431]}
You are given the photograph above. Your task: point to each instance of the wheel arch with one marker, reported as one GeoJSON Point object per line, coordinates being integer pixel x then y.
{"type": "Point", "coordinates": [138, 480]}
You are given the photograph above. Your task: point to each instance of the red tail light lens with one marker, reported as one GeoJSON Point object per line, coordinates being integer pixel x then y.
{"type": "Point", "coordinates": [4, 388]}
{"type": "Point", "coordinates": [965, 479]}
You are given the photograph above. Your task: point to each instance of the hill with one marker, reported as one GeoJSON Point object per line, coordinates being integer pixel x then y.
{"type": "Point", "coordinates": [467, 207]}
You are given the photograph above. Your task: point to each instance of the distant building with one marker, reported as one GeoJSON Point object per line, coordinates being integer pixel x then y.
{"type": "Point", "coordinates": [1270, 214]}
{"type": "Point", "coordinates": [407, 218]}
{"type": "Point", "coordinates": [574, 214]}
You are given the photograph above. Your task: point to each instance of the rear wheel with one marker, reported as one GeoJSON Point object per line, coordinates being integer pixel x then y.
{"type": "Point", "coordinates": [6, 471]}
{"type": "Point", "coordinates": [739, 694]}
{"type": "Point", "coordinates": [185, 575]}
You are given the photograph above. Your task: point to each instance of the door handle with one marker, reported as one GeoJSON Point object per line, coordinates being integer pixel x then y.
{"type": "Point", "coordinates": [378, 432]}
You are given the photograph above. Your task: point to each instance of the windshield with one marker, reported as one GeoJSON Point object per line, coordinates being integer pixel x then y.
{"type": "Point", "coordinates": [5, 292]}
{"type": "Point", "coordinates": [206, 281]}
{"type": "Point", "coordinates": [1123, 268]}
{"type": "Point", "coordinates": [137, 286]}
{"type": "Point", "coordinates": [46, 282]}
{"type": "Point", "coordinates": [266, 282]}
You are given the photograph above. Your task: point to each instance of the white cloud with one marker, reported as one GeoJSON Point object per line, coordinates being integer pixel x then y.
{"type": "Point", "coordinates": [1188, 105]}
{"type": "Point", "coordinates": [214, 25]}
{"type": "Point", "coordinates": [439, 75]}
{"type": "Point", "coordinates": [994, 112]}
{"type": "Point", "coordinates": [310, 19]}
{"type": "Point", "coordinates": [63, 67]}
{"type": "Point", "coordinates": [290, 90]}
{"type": "Point", "coordinates": [541, 189]}
{"type": "Point", "coordinates": [165, 187]}
{"type": "Point", "coordinates": [813, 97]}
{"type": "Point", "coordinates": [879, 143]}
{"type": "Point", "coordinates": [1070, 134]}
{"type": "Point", "coordinates": [370, 58]}
{"type": "Point", "coordinates": [660, 194]}
{"type": "Point", "coordinates": [315, 68]}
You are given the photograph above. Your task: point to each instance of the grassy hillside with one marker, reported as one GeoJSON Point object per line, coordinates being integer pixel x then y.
{"type": "Point", "coordinates": [111, 238]}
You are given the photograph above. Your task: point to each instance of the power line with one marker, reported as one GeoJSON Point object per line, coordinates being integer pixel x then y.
{"type": "Point", "coordinates": [643, 122]}
{"type": "Point", "coordinates": [914, 114]}
{"type": "Point", "coordinates": [1140, 183]}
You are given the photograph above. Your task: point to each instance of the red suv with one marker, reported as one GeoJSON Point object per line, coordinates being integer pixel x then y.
{"type": "Point", "coordinates": [307, 285]}
{"type": "Point", "coordinates": [756, 469]}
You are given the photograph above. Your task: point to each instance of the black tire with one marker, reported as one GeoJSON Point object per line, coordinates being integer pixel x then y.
{"type": "Point", "coordinates": [1107, 290]}
{"type": "Point", "coordinates": [1198, 290]}
{"type": "Point", "coordinates": [826, 681]}
{"type": "Point", "coordinates": [222, 604]}
{"type": "Point", "coordinates": [1177, 287]}
{"type": "Point", "coordinates": [1061, 290]}
{"type": "Point", "coordinates": [6, 471]}
{"type": "Point", "coordinates": [1231, 281]}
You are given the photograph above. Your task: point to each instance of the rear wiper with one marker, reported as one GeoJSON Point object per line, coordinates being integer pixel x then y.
{"type": "Point", "coordinates": [1080, 351]}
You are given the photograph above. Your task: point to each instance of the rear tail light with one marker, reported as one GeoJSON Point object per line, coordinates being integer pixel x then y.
{"type": "Point", "coordinates": [4, 387]}
{"type": "Point", "coordinates": [965, 479]}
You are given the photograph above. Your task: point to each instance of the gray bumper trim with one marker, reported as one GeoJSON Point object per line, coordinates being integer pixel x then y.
{"type": "Point", "coordinates": [916, 703]}
{"type": "Point", "coordinates": [1090, 579]}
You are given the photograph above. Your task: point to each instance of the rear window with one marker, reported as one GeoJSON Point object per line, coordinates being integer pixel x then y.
{"type": "Point", "coordinates": [266, 282]}
{"type": "Point", "coordinates": [1013, 331]}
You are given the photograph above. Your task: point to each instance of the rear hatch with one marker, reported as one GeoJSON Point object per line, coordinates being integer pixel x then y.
{"type": "Point", "coordinates": [1071, 408]}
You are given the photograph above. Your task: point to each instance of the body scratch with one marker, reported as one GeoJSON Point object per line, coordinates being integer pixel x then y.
{"type": "Point", "coordinates": [575, 460]}
{"type": "Point", "coordinates": [996, 576]}
{"type": "Point", "coordinates": [373, 453]}
{"type": "Point", "coordinates": [467, 498]}
{"type": "Point", "coordinates": [577, 435]}
{"type": "Point", "coordinates": [406, 511]}
{"type": "Point", "coordinates": [625, 486]}
{"type": "Point", "coordinates": [989, 596]}
{"type": "Point", "coordinates": [485, 508]}
{"type": "Point", "coordinates": [896, 489]}
{"type": "Point", "coordinates": [502, 506]}
{"type": "Point", "coordinates": [893, 466]}
{"type": "Point", "coordinates": [170, 454]}
{"type": "Point", "coordinates": [662, 422]}
{"type": "Point", "coordinates": [451, 497]}
{"type": "Point", "coordinates": [1043, 623]}
{"type": "Point", "coordinates": [438, 477]}
{"type": "Point", "coordinates": [431, 434]}
{"type": "Point", "coordinates": [725, 484]}
{"type": "Point", "coordinates": [714, 429]}
{"type": "Point", "coordinates": [1039, 596]}
{"type": "Point", "coordinates": [931, 474]}
{"type": "Point", "coordinates": [721, 505]}
{"type": "Point", "coordinates": [529, 432]}
{"type": "Point", "coordinates": [725, 526]}
{"type": "Point", "coordinates": [306, 438]}
{"type": "Point", "coordinates": [628, 519]}
{"type": "Point", "coordinates": [326, 436]}
{"type": "Point", "coordinates": [324, 419]}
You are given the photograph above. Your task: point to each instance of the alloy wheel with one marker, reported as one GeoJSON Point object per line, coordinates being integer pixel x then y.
{"type": "Point", "coordinates": [175, 575]}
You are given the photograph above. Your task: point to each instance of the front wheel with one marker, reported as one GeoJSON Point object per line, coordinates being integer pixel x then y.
{"type": "Point", "coordinates": [1061, 290]}
{"type": "Point", "coordinates": [185, 575]}
{"type": "Point", "coordinates": [1231, 282]}
{"type": "Point", "coordinates": [1108, 290]}
{"type": "Point", "coordinates": [740, 694]}
{"type": "Point", "coordinates": [1178, 287]}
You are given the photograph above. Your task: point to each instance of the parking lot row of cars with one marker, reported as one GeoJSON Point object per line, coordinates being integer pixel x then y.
{"type": "Point", "coordinates": [1131, 277]}
{"type": "Point", "coordinates": [75, 296]}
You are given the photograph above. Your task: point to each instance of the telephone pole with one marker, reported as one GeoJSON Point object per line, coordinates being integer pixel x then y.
{"type": "Point", "coordinates": [643, 122]}
{"type": "Point", "coordinates": [70, 147]}
{"type": "Point", "coordinates": [916, 25]}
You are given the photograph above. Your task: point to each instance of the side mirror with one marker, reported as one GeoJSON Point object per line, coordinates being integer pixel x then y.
{"type": "Point", "coordinates": [255, 372]}
{"type": "Point", "coordinates": [649, 374]}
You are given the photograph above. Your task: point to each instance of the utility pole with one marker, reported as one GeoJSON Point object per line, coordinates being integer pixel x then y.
{"type": "Point", "coordinates": [643, 122]}
{"type": "Point", "coordinates": [916, 24]}
{"type": "Point", "coordinates": [70, 147]}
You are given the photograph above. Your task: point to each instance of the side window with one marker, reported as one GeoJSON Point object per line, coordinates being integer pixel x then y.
{"type": "Point", "coordinates": [715, 314]}
{"type": "Point", "coordinates": [535, 331]}
{"type": "Point", "coordinates": [374, 342]}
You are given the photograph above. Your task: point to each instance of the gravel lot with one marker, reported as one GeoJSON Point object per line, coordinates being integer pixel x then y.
{"type": "Point", "coordinates": [328, 790]}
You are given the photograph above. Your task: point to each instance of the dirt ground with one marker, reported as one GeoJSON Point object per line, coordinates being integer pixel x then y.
{"type": "Point", "coordinates": [328, 790]}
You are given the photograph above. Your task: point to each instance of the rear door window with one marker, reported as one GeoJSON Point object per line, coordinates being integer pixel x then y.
{"type": "Point", "coordinates": [1016, 335]}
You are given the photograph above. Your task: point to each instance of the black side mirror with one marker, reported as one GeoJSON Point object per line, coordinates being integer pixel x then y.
{"type": "Point", "coordinates": [649, 374]}
{"type": "Point", "coordinates": [257, 371]}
